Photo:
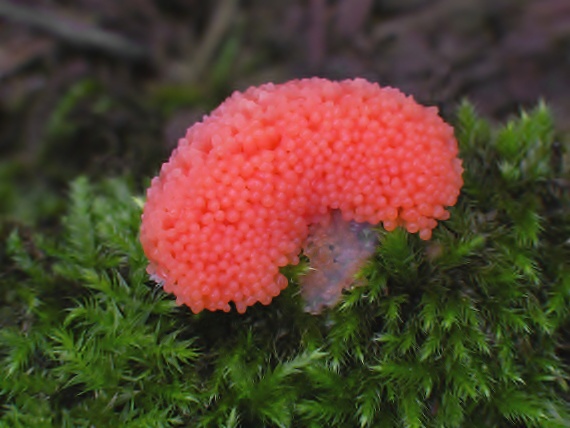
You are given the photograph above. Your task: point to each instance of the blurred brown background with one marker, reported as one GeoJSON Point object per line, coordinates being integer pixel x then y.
{"type": "Point", "coordinates": [104, 87]}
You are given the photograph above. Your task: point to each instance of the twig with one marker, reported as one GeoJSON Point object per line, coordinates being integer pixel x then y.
{"type": "Point", "coordinates": [223, 17]}
{"type": "Point", "coordinates": [74, 33]}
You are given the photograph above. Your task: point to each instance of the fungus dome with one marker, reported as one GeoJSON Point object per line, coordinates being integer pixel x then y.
{"type": "Point", "coordinates": [241, 193]}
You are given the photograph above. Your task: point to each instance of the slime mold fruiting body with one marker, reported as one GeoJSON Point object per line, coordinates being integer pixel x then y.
{"type": "Point", "coordinates": [245, 187]}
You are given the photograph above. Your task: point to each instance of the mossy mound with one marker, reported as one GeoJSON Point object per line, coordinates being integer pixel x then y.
{"type": "Point", "coordinates": [469, 329]}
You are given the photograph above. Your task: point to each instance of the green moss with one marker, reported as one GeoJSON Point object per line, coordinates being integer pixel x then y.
{"type": "Point", "coordinates": [466, 330]}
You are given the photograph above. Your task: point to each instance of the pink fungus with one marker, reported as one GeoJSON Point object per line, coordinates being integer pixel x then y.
{"type": "Point", "coordinates": [259, 177]}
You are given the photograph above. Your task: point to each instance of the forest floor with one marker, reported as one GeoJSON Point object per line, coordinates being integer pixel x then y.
{"type": "Point", "coordinates": [100, 87]}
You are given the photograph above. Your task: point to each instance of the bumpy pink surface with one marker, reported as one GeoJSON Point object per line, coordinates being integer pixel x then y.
{"type": "Point", "coordinates": [235, 200]}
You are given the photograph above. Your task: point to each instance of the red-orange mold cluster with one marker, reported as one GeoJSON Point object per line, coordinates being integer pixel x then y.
{"type": "Point", "coordinates": [235, 200]}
